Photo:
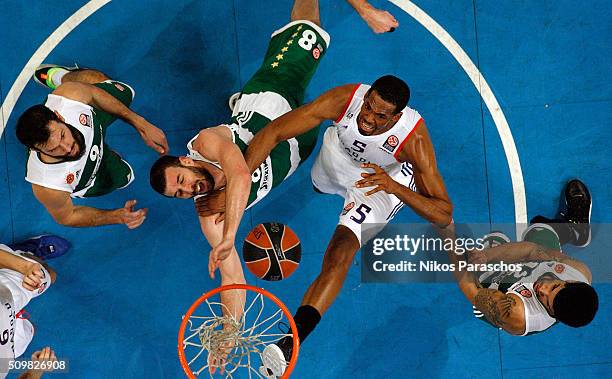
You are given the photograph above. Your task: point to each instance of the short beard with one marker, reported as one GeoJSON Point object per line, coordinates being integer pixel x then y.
{"type": "Point", "coordinates": [80, 141]}
{"type": "Point", "coordinates": [208, 178]}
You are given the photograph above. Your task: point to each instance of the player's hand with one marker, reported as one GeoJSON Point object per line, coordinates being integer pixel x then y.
{"type": "Point", "coordinates": [153, 136]}
{"type": "Point", "coordinates": [379, 178]}
{"type": "Point", "coordinates": [378, 20]}
{"type": "Point", "coordinates": [218, 254]}
{"type": "Point", "coordinates": [33, 276]}
{"type": "Point", "coordinates": [213, 203]}
{"type": "Point", "coordinates": [46, 355]}
{"type": "Point", "coordinates": [128, 216]}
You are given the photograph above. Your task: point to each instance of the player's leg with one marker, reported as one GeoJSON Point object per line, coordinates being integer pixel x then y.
{"type": "Point", "coordinates": [52, 75]}
{"type": "Point", "coordinates": [573, 224]}
{"type": "Point", "coordinates": [306, 10]}
{"type": "Point", "coordinates": [337, 261]}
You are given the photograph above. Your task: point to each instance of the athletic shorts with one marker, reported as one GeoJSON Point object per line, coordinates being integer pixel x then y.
{"type": "Point", "coordinates": [114, 172]}
{"type": "Point", "coordinates": [335, 173]}
{"type": "Point", "coordinates": [12, 281]}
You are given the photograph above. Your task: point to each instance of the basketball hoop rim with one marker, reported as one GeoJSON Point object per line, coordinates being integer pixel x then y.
{"type": "Point", "coordinates": [248, 287]}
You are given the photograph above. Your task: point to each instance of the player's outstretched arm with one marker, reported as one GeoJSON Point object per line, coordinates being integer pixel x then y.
{"type": "Point", "coordinates": [216, 144]}
{"type": "Point", "coordinates": [431, 201]}
{"type": "Point", "coordinates": [378, 20]}
{"type": "Point", "coordinates": [500, 309]}
{"type": "Point", "coordinates": [94, 96]}
{"type": "Point", "coordinates": [64, 212]}
{"type": "Point", "coordinates": [328, 106]}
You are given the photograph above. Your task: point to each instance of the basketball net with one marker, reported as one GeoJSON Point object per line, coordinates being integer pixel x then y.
{"type": "Point", "coordinates": [212, 339]}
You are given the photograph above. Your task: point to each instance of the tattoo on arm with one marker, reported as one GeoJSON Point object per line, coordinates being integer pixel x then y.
{"type": "Point", "coordinates": [496, 308]}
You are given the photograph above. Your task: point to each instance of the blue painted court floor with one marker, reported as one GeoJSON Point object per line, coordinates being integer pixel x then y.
{"type": "Point", "coordinates": [115, 309]}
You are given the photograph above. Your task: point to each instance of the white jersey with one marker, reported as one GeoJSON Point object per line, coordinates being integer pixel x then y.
{"type": "Point", "coordinates": [521, 284]}
{"type": "Point", "coordinates": [75, 177]}
{"type": "Point", "coordinates": [7, 329]}
{"type": "Point", "coordinates": [382, 149]}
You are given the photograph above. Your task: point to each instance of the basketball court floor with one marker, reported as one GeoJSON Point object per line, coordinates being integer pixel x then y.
{"type": "Point", "coordinates": [519, 105]}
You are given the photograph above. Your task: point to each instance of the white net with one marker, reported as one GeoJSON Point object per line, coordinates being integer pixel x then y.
{"type": "Point", "coordinates": [220, 343]}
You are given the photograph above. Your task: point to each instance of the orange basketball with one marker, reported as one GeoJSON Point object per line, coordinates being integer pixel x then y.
{"type": "Point", "coordinates": [272, 251]}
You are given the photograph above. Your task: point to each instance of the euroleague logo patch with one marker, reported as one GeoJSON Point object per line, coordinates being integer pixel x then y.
{"type": "Point", "coordinates": [559, 268]}
{"type": "Point", "coordinates": [347, 208]}
{"type": "Point", "coordinates": [119, 87]}
{"type": "Point", "coordinates": [85, 119]}
{"type": "Point", "coordinates": [391, 143]}
{"type": "Point", "coordinates": [316, 53]}
{"type": "Point", "coordinates": [524, 291]}
{"type": "Point", "coordinates": [70, 178]}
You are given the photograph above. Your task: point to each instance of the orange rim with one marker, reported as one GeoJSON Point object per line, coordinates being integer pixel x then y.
{"type": "Point", "coordinates": [196, 304]}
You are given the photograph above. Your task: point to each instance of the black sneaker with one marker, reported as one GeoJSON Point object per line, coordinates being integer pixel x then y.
{"type": "Point", "coordinates": [577, 211]}
{"type": "Point", "coordinates": [44, 72]}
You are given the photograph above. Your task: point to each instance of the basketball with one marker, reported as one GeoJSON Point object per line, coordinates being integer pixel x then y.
{"type": "Point", "coordinates": [272, 251]}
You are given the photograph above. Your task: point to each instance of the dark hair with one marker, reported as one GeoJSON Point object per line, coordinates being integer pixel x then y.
{"type": "Point", "coordinates": [576, 304]}
{"type": "Point", "coordinates": [157, 176]}
{"type": "Point", "coordinates": [33, 125]}
{"type": "Point", "coordinates": [392, 90]}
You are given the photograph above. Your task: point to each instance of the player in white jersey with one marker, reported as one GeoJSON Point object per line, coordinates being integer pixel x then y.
{"type": "Point", "coordinates": [373, 130]}
{"type": "Point", "coordinates": [23, 276]}
{"type": "Point", "coordinates": [549, 287]}
{"type": "Point", "coordinates": [69, 156]}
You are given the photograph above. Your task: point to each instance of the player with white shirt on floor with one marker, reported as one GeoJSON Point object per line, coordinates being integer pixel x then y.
{"type": "Point", "coordinates": [550, 286]}
{"type": "Point", "coordinates": [373, 130]}
{"type": "Point", "coordinates": [23, 277]}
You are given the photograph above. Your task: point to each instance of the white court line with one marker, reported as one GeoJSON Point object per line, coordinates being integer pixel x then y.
{"type": "Point", "coordinates": [43, 51]}
{"type": "Point", "coordinates": [514, 164]}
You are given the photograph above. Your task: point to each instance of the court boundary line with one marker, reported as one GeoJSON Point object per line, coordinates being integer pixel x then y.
{"type": "Point", "coordinates": [503, 129]}
{"type": "Point", "coordinates": [41, 54]}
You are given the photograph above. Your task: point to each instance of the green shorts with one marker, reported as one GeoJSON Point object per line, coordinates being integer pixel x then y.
{"type": "Point", "coordinates": [120, 91]}
{"type": "Point", "coordinates": [290, 62]}
{"type": "Point", "coordinates": [544, 235]}
{"type": "Point", "coordinates": [113, 173]}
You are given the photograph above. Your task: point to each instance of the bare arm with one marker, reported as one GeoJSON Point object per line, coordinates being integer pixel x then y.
{"type": "Point", "coordinates": [378, 20]}
{"type": "Point", "coordinates": [96, 97]}
{"type": "Point", "coordinates": [62, 209]}
{"type": "Point", "coordinates": [13, 262]}
{"type": "Point", "coordinates": [328, 106]}
{"type": "Point", "coordinates": [431, 201]}
{"type": "Point", "coordinates": [500, 309]}
{"type": "Point", "coordinates": [216, 144]}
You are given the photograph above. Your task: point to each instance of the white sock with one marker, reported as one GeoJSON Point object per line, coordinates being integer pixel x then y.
{"type": "Point", "coordinates": [57, 76]}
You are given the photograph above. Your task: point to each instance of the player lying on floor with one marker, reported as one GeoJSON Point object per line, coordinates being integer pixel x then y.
{"type": "Point", "coordinates": [69, 156]}
{"type": "Point", "coordinates": [215, 172]}
{"type": "Point", "coordinates": [23, 276]}
{"type": "Point", "coordinates": [550, 287]}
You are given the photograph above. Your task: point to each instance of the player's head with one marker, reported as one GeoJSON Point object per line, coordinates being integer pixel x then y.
{"type": "Point", "coordinates": [180, 177]}
{"type": "Point", "coordinates": [382, 105]}
{"type": "Point", "coordinates": [41, 129]}
{"type": "Point", "coordinates": [572, 303]}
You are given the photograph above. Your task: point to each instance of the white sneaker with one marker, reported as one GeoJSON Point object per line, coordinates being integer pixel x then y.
{"type": "Point", "coordinates": [233, 100]}
{"type": "Point", "coordinates": [273, 362]}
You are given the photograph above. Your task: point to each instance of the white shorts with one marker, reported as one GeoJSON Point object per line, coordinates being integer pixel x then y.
{"type": "Point", "coordinates": [12, 280]}
{"type": "Point", "coordinates": [334, 172]}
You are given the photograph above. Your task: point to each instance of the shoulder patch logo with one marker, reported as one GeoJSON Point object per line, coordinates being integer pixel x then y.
{"type": "Point", "coordinates": [85, 119]}
{"type": "Point", "coordinates": [70, 178]}
{"type": "Point", "coordinates": [559, 268]}
{"type": "Point", "coordinates": [316, 53]}
{"type": "Point", "coordinates": [525, 293]}
{"type": "Point", "coordinates": [391, 143]}
{"type": "Point", "coordinates": [347, 208]}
